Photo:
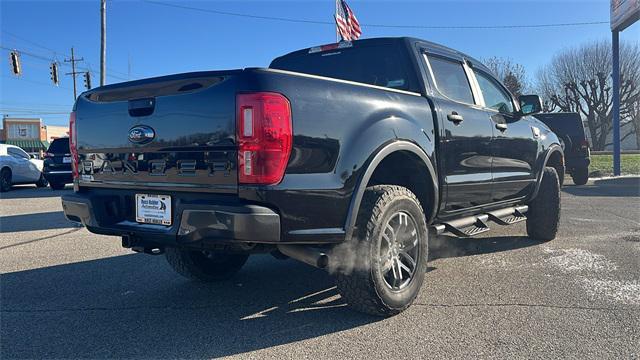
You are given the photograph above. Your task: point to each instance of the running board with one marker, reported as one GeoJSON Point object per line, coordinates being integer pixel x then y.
{"type": "Point", "coordinates": [477, 224]}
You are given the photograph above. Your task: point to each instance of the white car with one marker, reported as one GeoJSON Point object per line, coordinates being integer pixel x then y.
{"type": "Point", "coordinates": [17, 167]}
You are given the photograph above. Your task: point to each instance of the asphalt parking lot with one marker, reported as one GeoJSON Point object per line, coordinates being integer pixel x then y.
{"type": "Point", "coordinates": [66, 293]}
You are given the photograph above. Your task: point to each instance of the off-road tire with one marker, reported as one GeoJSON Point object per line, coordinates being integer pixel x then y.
{"type": "Point", "coordinates": [42, 182]}
{"type": "Point", "coordinates": [203, 266]}
{"type": "Point", "coordinates": [580, 176]}
{"type": "Point", "coordinates": [543, 216]}
{"type": "Point", "coordinates": [361, 283]}
{"type": "Point", "coordinates": [5, 180]}
{"type": "Point", "coordinates": [57, 186]}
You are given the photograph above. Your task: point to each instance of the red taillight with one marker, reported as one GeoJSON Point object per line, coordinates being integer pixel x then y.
{"type": "Point", "coordinates": [264, 137]}
{"type": "Point", "coordinates": [72, 144]}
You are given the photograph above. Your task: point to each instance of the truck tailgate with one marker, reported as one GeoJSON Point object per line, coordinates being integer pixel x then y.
{"type": "Point", "coordinates": [175, 132]}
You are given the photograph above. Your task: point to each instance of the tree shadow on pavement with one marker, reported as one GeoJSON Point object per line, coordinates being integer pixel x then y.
{"type": "Point", "coordinates": [134, 306]}
{"type": "Point", "coordinates": [37, 221]}
{"type": "Point", "coordinates": [617, 187]}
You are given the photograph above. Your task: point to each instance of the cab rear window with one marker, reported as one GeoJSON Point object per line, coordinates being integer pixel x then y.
{"type": "Point", "coordinates": [375, 65]}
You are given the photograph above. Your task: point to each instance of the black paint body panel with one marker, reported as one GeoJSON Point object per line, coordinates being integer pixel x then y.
{"type": "Point", "coordinates": [338, 128]}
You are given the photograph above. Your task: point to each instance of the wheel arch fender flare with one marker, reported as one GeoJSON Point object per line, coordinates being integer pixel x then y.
{"type": "Point", "coordinates": [553, 149]}
{"type": "Point", "coordinates": [375, 160]}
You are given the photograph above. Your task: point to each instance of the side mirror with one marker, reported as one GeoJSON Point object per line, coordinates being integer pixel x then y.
{"type": "Point", "coordinates": [530, 104]}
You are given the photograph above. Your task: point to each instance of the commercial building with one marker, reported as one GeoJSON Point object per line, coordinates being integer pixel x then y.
{"type": "Point", "coordinates": [28, 133]}
{"type": "Point", "coordinates": [56, 131]}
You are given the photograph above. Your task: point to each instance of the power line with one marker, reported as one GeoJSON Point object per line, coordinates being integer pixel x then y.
{"type": "Point", "coordinates": [59, 52]}
{"type": "Point", "coordinates": [22, 103]}
{"type": "Point", "coordinates": [24, 112]}
{"type": "Point", "coordinates": [35, 82]}
{"type": "Point", "coordinates": [318, 22]}
{"type": "Point", "coordinates": [34, 43]}
{"type": "Point", "coordinates": [44, 58]}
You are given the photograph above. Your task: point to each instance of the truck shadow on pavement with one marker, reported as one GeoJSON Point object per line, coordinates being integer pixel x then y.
{"type": "Point", "coordinates": [35, 221]}
{"type": "Point", "coordinates": [445, 246]}
{"type": "Point", "coordinates": [134, 306]}
{"type": "Point", "coordinates": [617, 187]}
{"type": "Point", "coordinates": [30, 191]}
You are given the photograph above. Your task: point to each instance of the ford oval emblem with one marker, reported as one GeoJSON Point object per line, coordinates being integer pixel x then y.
{"type": "Point", "coordinates": [141, 134]}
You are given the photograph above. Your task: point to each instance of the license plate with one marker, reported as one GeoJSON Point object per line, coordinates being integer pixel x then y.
{"type": "Point", "coordinates": [153, 209]}
{"type": "Point", "coordinates": [66, 159]}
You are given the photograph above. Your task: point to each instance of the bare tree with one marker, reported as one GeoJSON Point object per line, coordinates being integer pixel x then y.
{"type": "Point", "coordinates": [512, 74]}
{"type": "Point", "coordinates": [579, 80]}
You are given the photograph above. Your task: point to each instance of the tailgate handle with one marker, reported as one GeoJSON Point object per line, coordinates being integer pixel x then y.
{"type": "Point", "coordinates": [142, 107]}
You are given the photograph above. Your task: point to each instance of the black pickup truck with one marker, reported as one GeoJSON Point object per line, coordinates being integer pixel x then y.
{"type": "Point", "coordinates": [347, 157]}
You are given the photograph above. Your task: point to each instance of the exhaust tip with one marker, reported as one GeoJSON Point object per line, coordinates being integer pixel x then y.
{"type": "Point", "coordinates": [323, 261]}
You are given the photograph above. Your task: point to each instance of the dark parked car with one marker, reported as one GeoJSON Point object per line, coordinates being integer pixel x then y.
{"type": "Point", "coordinates": [344, 156]}
{"type": "Point", "coordinates": [570, 129]}
{"type": "Point", "coordinates": [57, 164]}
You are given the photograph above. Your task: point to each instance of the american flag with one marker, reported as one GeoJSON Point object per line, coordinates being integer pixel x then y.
{"type": "Point", "coordinates": [347, 25]}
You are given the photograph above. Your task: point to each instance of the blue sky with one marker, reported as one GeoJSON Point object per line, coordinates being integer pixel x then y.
{"type": "Point", "coordinates": [154, 40]}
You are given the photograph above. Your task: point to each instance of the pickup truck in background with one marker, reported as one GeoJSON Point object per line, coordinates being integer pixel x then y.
{"type": "Point", "coordinates": [346, 157]}
{"type": "Point", "coordinates": [569, 128]}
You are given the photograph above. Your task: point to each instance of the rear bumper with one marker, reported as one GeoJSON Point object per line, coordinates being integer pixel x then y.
{"type": "Point", "coordinates": [193, 222]}
{"type": "Point", "coordinates": [58, 176]}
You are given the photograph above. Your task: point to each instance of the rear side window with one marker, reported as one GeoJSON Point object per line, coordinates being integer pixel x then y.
{"type": "Point", "coordinates": [451, 79]}
{"type": "Point", "coordinates": [18, 153]}
{"type": "Point", "coordinates": [59, 146]}
{"type": "Point", "coordinates": [374, 65]}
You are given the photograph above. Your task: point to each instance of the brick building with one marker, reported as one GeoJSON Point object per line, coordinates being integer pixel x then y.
{"type": "Point", "coordinates": [28, 133]}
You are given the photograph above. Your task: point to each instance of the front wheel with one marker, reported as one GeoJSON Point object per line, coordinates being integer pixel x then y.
{"type": "Point", "coordinates": [580, 176]}
{"type": "Point", "coordinates": [386, 272]}
{"type": "Point", "coordinates": [205, 266]}
{"type": "Point", "coordinates": [543, 216]}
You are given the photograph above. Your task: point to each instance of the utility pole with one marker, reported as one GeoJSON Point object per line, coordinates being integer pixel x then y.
{"type": "Point", "coordinates": [103, 42]}
{"type": "Point", "coordinates": [73, 72]}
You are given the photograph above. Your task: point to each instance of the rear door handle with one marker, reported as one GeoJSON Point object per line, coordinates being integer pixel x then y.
{"type": "Point", "coordinates": [501, 127]}
{"type": "Point", "coordinates": [455, 118]}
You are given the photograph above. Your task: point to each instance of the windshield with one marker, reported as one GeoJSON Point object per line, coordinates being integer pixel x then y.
{"type": "Point", "coordinates": [59, 146]}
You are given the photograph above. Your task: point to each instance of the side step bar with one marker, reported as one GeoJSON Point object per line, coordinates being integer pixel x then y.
{"type": "Point", "coordinates": [477, 224]}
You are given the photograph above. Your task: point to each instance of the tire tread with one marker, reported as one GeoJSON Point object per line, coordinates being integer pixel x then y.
{"type": "Point", "coordinates": [358, 288]}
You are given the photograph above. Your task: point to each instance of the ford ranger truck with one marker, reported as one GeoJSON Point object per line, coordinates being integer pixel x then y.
{"type": "Point", "coordinates": [347, 157]}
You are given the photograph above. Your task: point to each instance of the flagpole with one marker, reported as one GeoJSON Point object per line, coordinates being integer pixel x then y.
{"type": "Point", "coordinates": [334, 18]}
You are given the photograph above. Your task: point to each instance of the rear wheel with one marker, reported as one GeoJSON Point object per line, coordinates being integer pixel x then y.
{"type": "Point", "coordinates": [42, 182]}
{"type": "Point", "coordinates": [580, 176]}
{"type": "Point", "coordinates": [5, 180]}
{"type": "Point", "coordinates": [57, 186]}
{"type": "Point", "coordinates": [543, 216]}
{"type": "Point", "coordinates": [206, 266]}
{"type": "Point", "coordinates": [388, 268]}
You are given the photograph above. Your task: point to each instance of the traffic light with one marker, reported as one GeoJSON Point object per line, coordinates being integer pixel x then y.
{"type": "Point", "coordinates": [87, 80]}
{"type": "Point", "coordinates": [14, 59]}
{"type": "Point", "coordinates": [53, 70]}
